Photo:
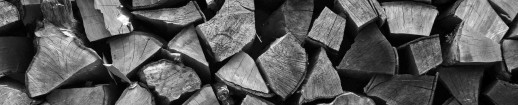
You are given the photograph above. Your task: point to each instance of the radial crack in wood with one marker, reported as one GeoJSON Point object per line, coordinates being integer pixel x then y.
{"type": "Point", "coordinates": [410, 18]}
{"type": "Point", "coordinates": [253, 100]}
{"type": "Point", "coordinates": [8, 16]}
{"type": "Point", "coordinates": [16, 54]}
{"type": "Point", "coordinates": [502, 93]}
{"type": "Point", "coordinates": [328, 29]}
{"type": "Point", "coordinates": [205, 96]}
{"type": "Point", "coordinates": [98, 95]}
{"type": "Point", "coordinates": [117, 20]}
{"type": "Point", "coordinates": [463, 82]}
{"type": "Point", "coordinates": [135, 94]}
{"type": "Point", "coordinates": [350, 98]}
{"type": "Point", "coordinates": [93, 20]}
{"type": "Point", "coordinates": [421, 55]}
{"type": "Point", "coordinates": [417, 90]}
{"type": "Point", "coordinates": [12, 93]}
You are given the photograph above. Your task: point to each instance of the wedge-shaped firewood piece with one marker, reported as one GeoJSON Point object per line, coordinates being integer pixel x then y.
{"type": "Point", "coordinates": [16, 54]}
{"type": "Point", "coordinates": [98, 95]}
{"type": "Point", "coordinates": [8, 16]}
{"type": "Point", "coordinates": [130, 51]}
{"type": "Point", "coordinates": [328, 29]}
{"type": "Point", "coordinates": [12, 93]}
{"type": "Point", "coordinates": [322, 81]}
{"type": "Point", "coordinates": [253, 100]}
{"type": "Point", "coordinates": [402, 89]}
{"type": "Point", "coordinates": [93, 20]}
{"type": "Point", "coordinates": [507, 9]}
{"type": "Point", "coordinates": [180, 80]}
{"type": "Point", "coordinates": [241, 73]}
{"type": "Point", "coordinates": [61, 59]}
{"type": "Point", "coordinates": [147, 4]}
{"type": "Point", "coordinates": [502, 93]}
{"type": "Point", "coordinates": [509, 51]}
{"type": "Point", "coordinates": [59, 13]}
{"type": "Point", "coordinates": [358, 13]}
{"type": "Point", "coordinates": [421, 55]}
{"type": "Point", "coordinates": [205, 96]}
{"type": "Point", "coordinates": [349, 98]}
{"type": "Point", "coordinates": [31, 11]}
{"type": "Point", "coordinates": [410, 18]}
{"type": "Point", "coordinates": [231, 30]}
{"type": "Point", "coordinates": [463, 82]}
{"type": "Point", "coordinates": [116, 18]}
{"type": "Point", "coordinates": [370, 54]}
{"type": "Point", "coordinates": [284, 65]}
{"type": "Point", "coordinates": [451, 101]}
{"type": "Point", "coordinates": [136, 95]}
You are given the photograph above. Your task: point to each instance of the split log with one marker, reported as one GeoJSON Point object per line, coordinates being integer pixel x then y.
{"type": "Point", "coordinates": [150, 4]}
{"type": "Point", "coordinates": [509, 49]}
{"type": "Point", "coordinates": [9, 15]}
{"type": "Point", "coordinates": [180, 80]}
{"type": "Point", "coordinates": [463, 82]}
{"type": "Point", "coordinates": [358, 13]}
{"type": "Point", "coordinates": [130, 51]}
{"type": "Point", "coordinates": [205, 96]}
{"type": "Point", "coordinates": [502, 93]}
{"type": "Point", "coordinates": [370, 54]}
{"type": "Point", "coordinates": [322, 81]}
{"type": "Point", "coordinates": [16, 54]}
{"type": "Point", "coordinates": [421, 55]}
{"type": "Point", "coordinates": [116, 18]}
{"type": "Point", "coordinates": [410, 18]}
{"type": "Point", "coordinates": [59, 13]}
{"type": "Point", "coordinates": [31, 11]}
{"type": "Point", "coordinates": [283, 65]}
{"type": "Point", "coordinates": [349, 98]}
{"type": "Point", "coordinates": [135, 94]}
{"type": "Point", "coordinates": [451, 101]}
{"type": "Point", "coordinates": [98, 95]}
{"type": "Point", "coordinates": [328, 29]}
{"type": "Point", "coordinates": [402, 89]}
{"type": "Point", "coordinates": [241, 73]}
{"type": "Point", "coordinates": [507, 9]}
{"type": "Point", "coordinates": [231, 30]}
{"type": "Point", "coordinates": [253, 100]}
{"type": "Point", "coordinates": [61, 59]}
{"type": "Point", "coordinates": [223, 94]}
{"type": "Point", "coordinates": [380, 11]}
{"type": "Point", "coordinates": [93, 20]}
{"type": "Point", "coordinates": [12, 93]}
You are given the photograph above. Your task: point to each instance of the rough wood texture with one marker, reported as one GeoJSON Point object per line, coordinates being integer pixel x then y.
{"type": "Point", "coordinates": [253, 100]}
{"type": "Point", "coordinates": [509, 51]}
{"type": "Point", "coordinates": [349, 98]}
{"type": "Point", "coordinates": [421, 55]}
{"type": "Point", "coordinates": [328, 29]}
{"type": "Point", "coordinates": [59, 13]}
{"type": "Point", "coordinates": [147, 4]}
{"type": "Point", "coordinates": [380, 11]}
{"type": "Point", "coordinates": [136, 95]}
{"type": "Point", "coordinates": [60, 59]}
{"type": "Point", "coordinates": [16, 54]}
{"type": "Point", "coordinates": [12, 93]}
{"type": "Point", "coordinates": [410, 18]}
{"type": "Point", "coordinates": [205, 96]}
{"type": "Point", "coordinates": [98, 95]}
{"type": "Point", "coordinates": [241, 73]}
{"type": "Point", "coordinates": [93, 20]}
{"type": "Point", "coordinates": [451, 101]}
{"type": "Point", "coordinates": [502, 93]}
{"type": "Point", "coordinates": [283, 65]}
{"type": "Point", "coordinates": [130, 51]}
{"type": "Point", "coordinates": [381, 59]}
{"type": "Point", "coordinates": [8, 15]}
{"type": "Point", "coordinates": [297, 17]}
{"type": "Point", "coordinates": [169, 80]}
{"type": "Point", "coordinates": [31, 11]}
{"type": "Point", "coordinates": [507, 9]}
{"type": "Point", "coordinates": [463, 83]}
{"type": "Point", "coordinates": [231, 30]}
{"type": "Point", "coordinates": [358, 13]}
{"type": "Point", "coordinates": [116, 18]}
{"type": "Point", "coordinates": [402, 89]}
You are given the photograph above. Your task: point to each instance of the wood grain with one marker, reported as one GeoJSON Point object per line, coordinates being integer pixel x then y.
{"type": "Point", "coordinates": [253, 100]}
{"type": "Point", "coordinates": [410, 18]}
{"type": "Point", "coordinates": [93, 20]}
{"type": "Point", "coordinates": [328, 29]}
{"type": "Point", "coordinates": [241, 73]}
{"type": "Point", "coordinates": [8, 15]}
{"type": "Point", "coordinates": [417, 90]}
{"type": "Point", "coordinates": [16, 54]}
{"type": "Point", "coordinates": [12, 93]}
{"type": "Point", "coordinates": [116, 18]}
{"type": "Point", "coordinates": [205, 96]}
{"type": "Point", "coordinates": [135, 94]}
{"type": "Point", "coordinates": [223, 93]}
{"type": "Point", "coordinates": [358, 13]}
{"type": "Point", "coordinates": [97, 95]}
{"type": "Point", "coordinates": [59, 13]}
{"type": "Point", "coordinates": [150, 4]}
{"type": "Point", "coordinates": [502, 93]}
{"type": "Point", "coordinates": [506, 9]}
{"type": "Point", "coordinates": [463, 83]}
{"type": "Point", "coordinates": [350, 98]}
{"type": "Point", "coordinates": [422, 54]}
{"type": "Point", "coordinates": [509, 49]}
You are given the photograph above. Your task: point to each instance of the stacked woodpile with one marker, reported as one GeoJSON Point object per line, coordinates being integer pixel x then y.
{"type": "Point", "coordinates": [258, 52]}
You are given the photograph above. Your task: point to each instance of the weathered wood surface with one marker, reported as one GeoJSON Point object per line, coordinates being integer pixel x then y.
{"type": "Point", "coordinates": [169, 80]}
{"type": "Point", "coordinates": [16, 54]}
{"type": "Point", "coordinates": [116, 18]}
{"type": "Point", "coordinates": [507, 9]}
{"type": "Point", "coordinates": [502, 93]}
{"type": "Point", "coordinates": [451, 101]}
{"type": "Point", "coordinates": [223, 93]}
{"type": "Point", "coordinates": [136, 95]}
{"type": "Point", "coordinates": [297, 17]}
{"type": "Point", "coordinates": [8, 16]}
{"type": "Point", "coordinates": [510, 54]}
{"type": "Point", "coordinates": [59, 13]}
{"type": "Point", "coordinates": [381, 59]}
{"type": "Point", "coordinates": [358, 13]}
{"type": "Point", "coordinates": [253, 100]}
{"type": "Point", "coordinates": [241, 73]}
{"type": "Point", "coordinates": [231, 30]}
{"type": "Point", "coordinates": [421, 55]}
{"type": "Point", "coordinates": [410, 18]}
{"type": "Point", "coordinates": [463, 82]}
{"type": "Point", "coordinates": [328, 29]}
{"type": "Point", "coordinates": [349, 98]}
{"type": "Point", "coordinates": [97, 95]}
{"type": "Point", "coordinates": [12, 93]}
{"type": "Point", "coordinates": [402, 89]}
{"type": "Point", "coordinates": [205, 96]}
{"type": "Point", "coordinates": [149, 4]}
{"type": "Point", "coordinates": [93, 20]}
{"type": "Point", "coordinates": [283, 65]}
{"type": "Point", "coordinates": [130, 51]}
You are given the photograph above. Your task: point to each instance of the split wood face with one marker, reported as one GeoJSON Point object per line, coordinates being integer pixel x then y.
{"type": "Point", "coordinates": [16, 54]}
{"type": "Point", "coordinates": [253, 100]}
{"type": "Point", "coordinates": [12, 93]}
{"type": "Point", "coordinates": [136, 95]}
{"type": "Point", "coordinates": [358, 12]}
{"type": "Point", "coordinates": [463, 83]}
{"type": "Point", "coordinates": [116, 18]}
{"type": "Point", "coordinates": [502, 93]}
{"type": "Point", "coordinates": [410, 18]}
{"type": "Point", "coordinates": [8, 14]}
{"type": "Point", "coordinates": [328, 29]}
{"type": "Point", "coordinates": [422, 54]}
{"type": "Point", "coordinates": [349, 98]}
{"type": "Point", "coordinates": [417, 90]}
{"type": "Point", "coordinates": [509, 49]}
{"type": "Point", "coordinates": [506, 9]}
{"type": "Point", "coordinates": [150, 4]}
{"type": "Point", "coordinates": [242, 73]}
{"type": "Point", "coordinates": [98, 95]}
{"type": "Point", "coordinates": [297, 17]}
{"type": "Point", "coordinates": [323, 81]}
{"type": "Point", "coordinates": [205, 96]}
{"type": "Point", "coordinates": [186, 42]}
{"type": "Point", "coordinates": [93, 20]}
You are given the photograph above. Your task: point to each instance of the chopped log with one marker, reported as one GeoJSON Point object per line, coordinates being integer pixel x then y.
{"type": "Point", "coordinates": [93, 20]}
{"type": "Point", "coordinates": [410, 18]}
{"type": "Point", "coordinates": [150, 4]}
{"type": "Point", "coordinates": [230, 31]}
{"type": "Point", "coordinates": [181, 81]}
{"type": "Point", "coordinates": [187, 43]}
{"type": "Point", "coordinates": [98, 95]}
{"type": "Point", "coordinates": [505, 8]}
{"type": "Point", "coordinates": [350, 98]}
{"type": "Point", "coordinates": [328, 29]}
{"type": "Point", "coordinates": [116, 18]}
{"type": "Point", "coordinates": [380, 11]}
{"type": "Point", "coordinates": [402, 89]}
{"type": "Point", "coordinates": [358, 13]}
{"type": "Point", "coordinates": [61, 59]}
{"type": "Point", "coordinates": [130, 51]}
{"type": "Point", "coordinates": [16, 54]}
{"type": "Point", "coordinates": [502, 93]}
{"type": "Point", "coordinates": [205, 96]}
{"type": "Point", "coordinates": [421, 55]}
{"type": "Point", "coordinates": [136, 95]}
{"type": "Point", "coordinates": [451, 101]}
{"type": "Point", "coordinates": [283, 65]}
{"type": "Point", "coordinates": [59, 13]}
{"type": "Point", "coordinates": [253, 100]}
{"type": "Point", "coordinates": [12, 93]}
{"type": "Point", "coordinates": [381, 59]}
{"type": "Point", "coordinates": [241, 73]}
{"type": "Point", "coordinates": [462, 82]}
{"type": "Point", "coordinates": [322, 81]}
{"type": "Point", "coordinates": [509, 51]}
{"type": "Point", "coordinates": [9, 15]}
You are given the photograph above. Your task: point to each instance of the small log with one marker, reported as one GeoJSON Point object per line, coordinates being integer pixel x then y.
{"type": "Point", "coordinates": [253, 100]}
{"type": "Point", "coordinates": [380, 11]}
{"type": "Point", "coordinates": [205, 96]}
{"type": "Point", "coordinates": [370, 54]}
{"type": "Point", "coordinates": [328, 29]}
{"type": "Point", "coordinates": [12, 93]}
{"type": "Point", "coordinates": [130, 51]}
{"type": "Point", "coordinates": [402, 89]}
{"type": "Point", "coordinates": [59, 13]}
{"type": "Point", "coordinates": [223, 94]}
{"type": "Point", "coordinates": [462, 82]}
{"type": "Point", "coordinates": [150, 4]}
{"type": "Point", "coordinates": [358, 13]}
{"type": "Point", "coordinates": [136, 95]}
{"type": "Point", "coordinates": [98, 95]}
{"type": "Point", "coordinates": [181, 81]}
{"type": "Point", "coordinates": [509, 49]}
{"type": "Point", "coordinates": [241, 73]}
{"type": "Point", "coordinates": [502, 93]}
{"type": "Point", "coordinates": [16, 54]}
{"type": "Point", "coordinates": [410, 18]}
{"type": "Point", "coordinates": [350, 98]}
{"type": "Point", "coordinates": [451, 101]}
{"type": "Point", "coordinates": [421, 55]}
{"type": "Point", "coordinates": [230, 31]}
{"type": "Point", "coordinates": [505, 8]}
{"type": "Point", "coordinates": [93, 20]}
{"type": "Point", "coordinates": [116, 18]}
{"type": "Point", "coordinates": [283, 65]}
{"type": "Point", "coordinates": [9, 15]}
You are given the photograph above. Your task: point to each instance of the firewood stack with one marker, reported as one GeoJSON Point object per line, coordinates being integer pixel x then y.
{"type": "Point", "coordinates": [258, 52]}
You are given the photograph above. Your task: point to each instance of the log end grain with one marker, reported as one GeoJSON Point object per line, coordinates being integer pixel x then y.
{"type": "Point", "coordinates": [328, 29]}
{"type": "Point", "coordinates": [422, 54]}
{"type": "Point", "coordinates": [505, 9]}
{"type": "Point", "coordinates": [410, 18]}
{"type": "Point", "coordinates": [98, 95]}
{"type": "Point", "coordinates": [417, 89]}
{"type": "Point", "coordinates": [59, 13]}
{"type": "Point", "coordinates": [171, 20]}
{"type": "Point", "coordinates": [322, 82]}
{"type": "Point", "coordinates": [93, 20]}
{"type": "Point", "coordinates": [187, 43]}
{"type": "Point", "coordinates": [12, 93]}
{"type": "Point", "coordinates": [242, 73]}
{"type": "Point", "coordinates": [297, 17]}
{"type": "Point", "coordinates": [8, 14]}
{"type": "Point", "coordinates": [358, 13]}
{"type": "Point", "coordinates": [509, 49]}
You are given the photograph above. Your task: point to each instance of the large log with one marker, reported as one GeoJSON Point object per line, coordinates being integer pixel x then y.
{"type": "Point", "coordinates": [283, 65]}
{"type": "Point", "coordinates": [12, 93]}
{"type": "Point", "coordinates": [253, 100]}
{"type": "Point", "coordinates": [358, 13]}
{"type": "Point", "coordinates": [506, 9]}
{"type": "Point", "coordinates": [135, 94]}
{"type": "Point", "coordinates": [420, 55]}
{"type": "Point", "coordinates": [403, 89]}
{"type": "Point", "coordinates": [150, 4]}
{"type": "Point", "coordinates": [328, 29]}
{"type": "Point", "coordinates": [502, 93]}
{"type": "Point", "coordinates": [205, 96]}
{"type": "Point", "coordinates": [116, 18]}
{"type": "Point", "coordinates": [510, 55]}
{"type": "Point", "coordinates": [463, 82]}
{"type": "Point", "coordinates": [93, 20]}
{"type": "Point", "coordinates": [9, 15]}
{"type": "Point", "coordinates": [97, 95]}
{"type": "Point", "coordinates": [350, 98]}
{"type": "Point", "coordinates": [410, 18]}
{"type": "Point", "coordinates": [16, 54]}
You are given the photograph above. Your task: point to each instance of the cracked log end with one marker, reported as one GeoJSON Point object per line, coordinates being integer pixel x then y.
{"type": "Point", "coordinates": [349, 98]}
{"type": "Point", "coordinates": [116, 18]}
{"type": "Point", "coordinates": [205, 96]}
{"type": "Point", "coordinates": [98, 95]}
{"type": "Point", "coordinates": [328, 29]}
{"type": "Point", "coordinates": [463, 82]}
{"type": "Point", "coordinates": [135, 94]}
{"type": "Point", "coordinates": [421, 55]}
{"type": "Point", "coordinates": [410, 18]}
{"type": "Point", "coordinates": [418, 90]}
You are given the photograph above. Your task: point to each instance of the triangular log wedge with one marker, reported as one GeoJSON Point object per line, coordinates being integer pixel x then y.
{"type": "Point", "coordinates": [417, 90]}
{"type": "Point", "coordinates": [410, 18]}
{"type": "Point", "coordinates": [135, 94]}
{"type": "Point", "coordinates": [510, 54]}
{"type": "Point", "coordinates": [16, 54]}
{"type": "Point", "coordinates": [117, 20]}
{"type": "Point", "coordinates": [93, 20]}
{"type": "Point", "coordinates": [359, 13]}
{"type": "Point", "coordinates": [350, 98]}
{"type": "Point", "coordinates": [12, 93]}
{"type": "Point", "coordinates": [328, 29]}
{"type": "Point", "coordinates": [253, 100]}
{"type": "Point", "coordinates": [505, 9]}
{"type": "Point", "coordinates": [205, 96]}
{"type": "Point", "coordinates": [98, 95]}
{"type": "Point", "coordinates": [502, 93]}
{"type": "Point", "coordinates": [9, 15]}
{"type": "Point", "coordinates": [420, 55]}
{"type": "Point", "coordinates": [463, 82]}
